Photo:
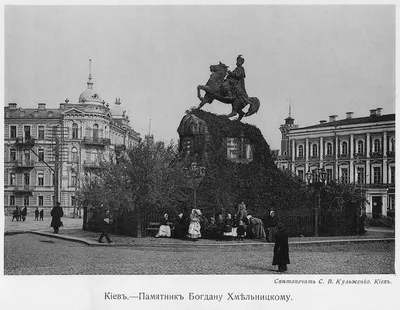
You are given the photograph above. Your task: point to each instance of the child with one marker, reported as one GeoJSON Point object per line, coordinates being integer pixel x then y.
{"type": "Point", "coordinates": [241, 231]}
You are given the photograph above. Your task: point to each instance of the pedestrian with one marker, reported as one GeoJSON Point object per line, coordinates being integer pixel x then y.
{"type": "Point", "coordinates": [270, 224]}
{"type": "Point", "coordinates": [41, 214]}
{"type": "Point", "coordinates": [103, 226]}
{"type": "Point", "coordinates": [241, 231]}
{"type": "Point", "coordinates": [56, 214]}
{"type": "Point", "coordinates": [194, 226]}
{"type": "Point", "coordinates": [37, 214]}
{"type": "Point", "coordinates": [164, 230]}
{"type": "Point", "coordinates": [19, 214]}
{"type": "Point", "coordinates": [281, 249]}
{"type": "Point", "coordinates": [24, 212]}
{"type": "Point", "coordinates": [15, 215]}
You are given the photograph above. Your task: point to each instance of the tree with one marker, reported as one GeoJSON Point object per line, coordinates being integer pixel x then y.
{"type": "Point", "coordinates": [146, 178]}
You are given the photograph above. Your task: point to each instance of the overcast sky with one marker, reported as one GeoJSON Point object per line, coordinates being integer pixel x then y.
{"type": "Point", "coordinates": [323, 60]}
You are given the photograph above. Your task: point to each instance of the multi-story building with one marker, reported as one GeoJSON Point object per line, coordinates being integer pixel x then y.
{"type": "Point", "coordinates": [73, 137]}
{"type": "Point", "coordinates": [352, 150]}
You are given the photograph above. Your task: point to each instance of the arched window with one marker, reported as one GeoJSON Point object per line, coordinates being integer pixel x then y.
{"type": "Point", "coordinates": [74, 131]}
{"type": "Point", "coordinates": [314, 150]}
{"type": "Point", "coordinates": [95, 132]}
{"type": "Point", "coordinates": [74, 153]}
{"type": "Point", "coordinates": [344, 148]}
{"type": "Point", "coordinates": [360, 147]}
{"type": "Point", "coordinates": [301, 151]}
{"type": "Point", "coordinates": [329, 149]}
{"type": "Point", "coordinates": [392, 144]}
{"type": "Point", "coordinates": [377, 145]}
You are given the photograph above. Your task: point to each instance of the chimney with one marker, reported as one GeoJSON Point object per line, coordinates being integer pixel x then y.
{"type": "Point", "coordinates": [372, 112]}
{"type": "Point", "coordinates": [12, 106]}
{"type": "Point", "coordinates": [332, 118]}
{"type": "Point", "coordinates": [62, 106]}
{"type": "Point", "coordinates": [41, 106]}
{"type": "Point", "coordinates": [378, 111]}
{"type": "Point", "coordinates": [322, 121]}
{"type": "Point", "coordinates": [349, 115]}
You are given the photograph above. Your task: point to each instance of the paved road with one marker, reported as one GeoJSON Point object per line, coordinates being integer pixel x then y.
{"type": "Point", "coordinates": [34, 254]}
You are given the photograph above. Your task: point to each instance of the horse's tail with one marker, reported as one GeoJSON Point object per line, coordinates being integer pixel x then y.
{"type": "Point", "coordinates": [254, 106]}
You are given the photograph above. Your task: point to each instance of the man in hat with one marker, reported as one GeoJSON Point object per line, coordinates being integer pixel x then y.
{"type": "Point", "coordinates": [235, 79]}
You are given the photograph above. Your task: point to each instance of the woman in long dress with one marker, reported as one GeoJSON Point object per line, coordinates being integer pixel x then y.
{"type": "Point", "coordinates": [194, 226]}
{"type": "Point", "coordinates": [281, 249]}
{"type": "Point", "coordinates": [164, 230]}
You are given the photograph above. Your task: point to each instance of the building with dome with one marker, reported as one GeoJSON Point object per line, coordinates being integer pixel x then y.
{"type": "Point", "coordinates": [75, 136]}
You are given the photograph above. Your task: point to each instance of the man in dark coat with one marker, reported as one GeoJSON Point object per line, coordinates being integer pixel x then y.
{"type": "Point", "coordinates": [281, 249]}
{"type": "Point", "coordinates": [37, 214]}
{"type": "Point", "coordinates": [103, 226]}
{"type": "Point", "coordinates": [24, 212]}
{"type": "Point", "coordinates": [270, 225]}
{"type": "Point", "coordinates": [41, 214]}
{"type": "Point", "coordinates": [56, 215]}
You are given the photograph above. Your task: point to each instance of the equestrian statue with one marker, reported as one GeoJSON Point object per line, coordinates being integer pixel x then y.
{"type": "Point", "coordinates": [228, 87]}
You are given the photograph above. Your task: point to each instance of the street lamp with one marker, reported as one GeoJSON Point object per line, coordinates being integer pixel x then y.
{"type": "Point", "coordinates": [316, 179]}
{"type": "Point", "coordinates": [196, 174]}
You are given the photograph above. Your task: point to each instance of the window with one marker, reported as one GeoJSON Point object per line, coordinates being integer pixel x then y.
{"type": "Point", "coordinates": [41, 132]}
{"type": "Point", "coordinates": [377, 146]}
{"type": "Point", "coordinates": [329, 149]}
{"type": "Point", "coordinates": [40, 178]}
{"type": "Point", "coordinates": [344, 148]}
{"type": "Point", "coordinates": [27, 132]}
{"type": "Point", "coordinates": [41, 154]}
{"type": "Point", "coordinates": [73, 201]}
{"type": "Point", "coordinates": [26, 200]}
{"type": "Point", "coordinates": [13, 155]}
{"type": "Point", "coordinates": [74, 131]}
{"type": "Point", "coordinates": [13, 132]}
{"type": "Point", "coordinates": [301, 151]}
{"type": "Point", "coordinates": [377, 175]}
{"type": "Point", "coordinates": [392, 204]}
{"type": "Point", "coordinates": [345, 175]}
{"type": "Point", "coordinates": [26, 179]}
{"type": "Point", "coordinates": [95, 132]}
{"type": "Point", "coordinates": [40, 201]}
{"type": "Point", "coordinates": [314, 150]}
{"type": "Point", "coordinates": [74, 152]}
{"type": "Point", "coordinates": [360, 147]}
{"type": "Point", "coordinates": [392, 174]}
{"type": "Point", "coordinates": [329, 175]}
{"type": "Point", "coordinates": [53, 178]}
{"type": "Point", "coordinates": [12, 178]}
{"type": "Point", "coordinates": [12, 200]}
{"type": "Point", "coordinates": [392, 144]}
{"type": "Point", "coordinates": [73, 178]}
{"type": "Point", "coordinates": [360, 175]}
{"type": "Point", "coordinates": [52, 200]}
{"type": "Point", "coordinates": [300, 173]}
{"type": "Point", "coordinates": [27, 155]}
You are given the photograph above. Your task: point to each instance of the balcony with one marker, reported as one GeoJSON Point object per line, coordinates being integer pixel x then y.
{"type": "Point", "coordinates": [376, 155]}
{"type": "Point", "coordinates": [91, 164]}
{"type": "Point", "coordinates": [96, 141]}
{"type": "Point", "coordinates": [373, 185]}
{"type": "Point", "coordinates": [26, 142]}
{"type": "Point", "coordinates": [24, 164]}
{"type": "Point", "coordinates": [23, 190]}
{"type": "Point", "coordinates": [391, 154]}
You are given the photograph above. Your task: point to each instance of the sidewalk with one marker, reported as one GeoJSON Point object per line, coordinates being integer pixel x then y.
{"type": "Point", "coordinates": [72, 231]}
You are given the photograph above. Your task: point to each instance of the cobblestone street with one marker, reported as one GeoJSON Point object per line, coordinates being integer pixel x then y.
{"type": "Point", "coordinates": [27, 254]}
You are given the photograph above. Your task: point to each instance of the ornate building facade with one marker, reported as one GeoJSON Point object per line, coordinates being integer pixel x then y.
{"type": "Point", "coordinates": [74, 137]}
{"type": "Point", "coordinates": [352, 150]}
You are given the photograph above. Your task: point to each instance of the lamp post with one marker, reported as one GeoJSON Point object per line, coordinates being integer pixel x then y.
{"type": "Point", "coordinates": [196, 174]}
{"type": "Point", "coordinates": [316, 179]}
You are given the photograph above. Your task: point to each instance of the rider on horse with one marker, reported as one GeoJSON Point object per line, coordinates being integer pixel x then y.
{"type": "Point", "coordinates": [235, 80]}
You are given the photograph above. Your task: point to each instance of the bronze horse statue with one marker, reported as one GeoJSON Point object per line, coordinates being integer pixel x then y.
{"type": "Point", "coordinates": [214, 91]}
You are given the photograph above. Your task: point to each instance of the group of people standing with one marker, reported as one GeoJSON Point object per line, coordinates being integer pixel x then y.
{"type": "Point", "coordinates": [19, 214]}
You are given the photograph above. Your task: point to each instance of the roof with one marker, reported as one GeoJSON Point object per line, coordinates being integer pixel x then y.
{"type": "Point", "coordinates": [352, 121]}
{"type": "Point", "coordinates": [30, 113]}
